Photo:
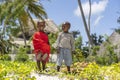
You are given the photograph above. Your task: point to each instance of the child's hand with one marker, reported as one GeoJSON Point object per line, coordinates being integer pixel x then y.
{"type": "Point", "coordinates": [73, 52]}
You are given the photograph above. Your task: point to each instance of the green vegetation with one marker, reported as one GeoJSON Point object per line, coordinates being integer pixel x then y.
{"type": "Point", "coordinates": [5, 57]}
{"type": "Point", "coordinates": [16, 70]}
{"type": "Point", "coordinates": [21, 55]}
{"type": "Point", "coordinates": [79, 70]}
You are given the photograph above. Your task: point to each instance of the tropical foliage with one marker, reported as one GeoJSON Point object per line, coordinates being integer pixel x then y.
{"type": "Point", "coordinates": [80, 71]}
{"type": "Point", "coordinates": [16, 70]}
{"type": "Point", "coordinates": [20, 12]}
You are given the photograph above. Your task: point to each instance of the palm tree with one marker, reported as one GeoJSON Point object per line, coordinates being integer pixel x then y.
{"type": "Point", "coordinates": [85, 24]}
{"type": "Point", "coordinates": [21, 12]}
{"type": "Point", "coordinates": [89, 23]}
{"type": "Point", "coordinates": [89, 15]}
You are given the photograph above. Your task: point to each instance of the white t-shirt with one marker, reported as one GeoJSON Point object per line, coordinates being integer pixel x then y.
{"type": "Point", "coordinates": [65, 40]}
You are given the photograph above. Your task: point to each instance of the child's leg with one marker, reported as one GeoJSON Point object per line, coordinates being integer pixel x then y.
{"type": "Point", "coordinates": [44, 60]}
{"type": "Point", "coordinates": [38, 58]}
{"type": "Point", "coordinates": [68, 68]}
{"type": "Point", "coordinates": [58, 68]}
{"type": "Point", "coordinates": [43, 65]}
{"type": "Point", "coordinates": [38, 65]}
{"type": "Point", "coordinates": [59, 59]}
{"type": "Point", "coordinates": [44, 56]}
{"type": "Point", "coordinates": [68, 58]}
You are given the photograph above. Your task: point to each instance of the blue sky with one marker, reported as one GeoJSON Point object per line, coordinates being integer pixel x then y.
{"type": "Point", "coordinates": [103, 19]}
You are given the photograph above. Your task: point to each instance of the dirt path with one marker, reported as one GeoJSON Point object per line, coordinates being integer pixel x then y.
{"type": "Point", "coordinates": [46, 77]}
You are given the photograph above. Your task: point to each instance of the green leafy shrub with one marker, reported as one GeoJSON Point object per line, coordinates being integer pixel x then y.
{"type": "Point", "coordinates": [5, 57]}
{"type": "Point", "coordinates": [99, 59]}
{"type": "Point", "coordinates": [78, 56]}
{"type": "Point", "coordinates": [16, 70]}
{"type": "Point", "coordinates": [90, 58]}
{"type": "Point", "coordinates": [22, 55]}
{"type": "Point", "coordinates": [52, 39]}
{"type": "Point", "coordinates": [103, 60]}
{"type": "Point", "coordinates": [91, 72]}
{"type": "Point", "coordinates": [95, 49]}
{"type": "Point", "coordinates": [85, 52]}
{"type": "Point", "coordinates": [108, 57]}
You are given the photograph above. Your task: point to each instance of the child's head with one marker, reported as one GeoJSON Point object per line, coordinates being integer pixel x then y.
{"type": "Point", "coordinates": [41, 25]}
{"type": "Point", "coordinates": [66, 26]}
{"type": "Point", "coordinates": [63, 26]}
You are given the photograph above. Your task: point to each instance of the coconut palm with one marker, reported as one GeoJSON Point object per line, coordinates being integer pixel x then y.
{"type": "Point", "coordinates": [89, 15]}
{"type": "Point", "coordinates": [21, 11]}
{"type": "Point", "coordinates": [85, 24]}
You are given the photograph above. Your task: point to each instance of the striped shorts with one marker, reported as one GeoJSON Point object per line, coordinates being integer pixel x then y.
{"type": "Point", "coordinates": [64, 54]}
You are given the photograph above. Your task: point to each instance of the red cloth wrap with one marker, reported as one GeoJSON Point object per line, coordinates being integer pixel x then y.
{"type": "Point", "coordinates": [41, 43]}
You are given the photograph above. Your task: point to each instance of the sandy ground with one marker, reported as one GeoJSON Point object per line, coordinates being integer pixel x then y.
{"type": "Point", "coordinates": [46, 77]}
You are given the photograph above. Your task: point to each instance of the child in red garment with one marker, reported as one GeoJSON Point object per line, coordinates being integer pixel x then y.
{"type": "Point", "coordinates": [41, 46]}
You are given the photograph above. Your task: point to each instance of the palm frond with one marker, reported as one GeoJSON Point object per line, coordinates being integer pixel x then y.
{"type": "Point", "coordinates": [31, 20]}
{"type": "Point", "coordinates": [37, 10]}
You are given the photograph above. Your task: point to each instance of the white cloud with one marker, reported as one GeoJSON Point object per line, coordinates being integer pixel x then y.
{"type": "Point", "coordinates": [97, 8]}
{"type": "Point", "coordinates": [97, 20]}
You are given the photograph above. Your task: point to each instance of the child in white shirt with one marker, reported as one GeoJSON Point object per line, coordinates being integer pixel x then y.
{"type": "Point", "coordinates": [65, 46]}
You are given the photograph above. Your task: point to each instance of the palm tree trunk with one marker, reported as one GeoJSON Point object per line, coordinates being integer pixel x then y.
{"type": "Point", "coordinates": [89, 23]}
{"type": "Point", "coordinates": [23, 33]}
{"type": "Point", "coordinates": [4, 30]}
{"type": "Point", "coordinates": [31, 20]}
{"type": "Point", "coordinates": [89, 15]}
{"type": "Point", "coordinates": [85, 24]}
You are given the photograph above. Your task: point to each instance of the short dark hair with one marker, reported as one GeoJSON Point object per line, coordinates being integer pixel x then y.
{"type": "Point", "coordinates": [67, 23]}
{"type": "Point", "coordinates": [40, 22]}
